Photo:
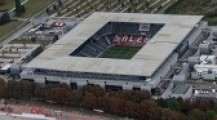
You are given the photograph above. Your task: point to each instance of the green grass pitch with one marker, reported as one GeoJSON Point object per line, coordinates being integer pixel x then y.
{"type": "Point", "coordinates": [120, 52]}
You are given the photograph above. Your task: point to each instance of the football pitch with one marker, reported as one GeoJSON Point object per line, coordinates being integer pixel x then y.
{"type": "Point", "coordinates": [120, 52]}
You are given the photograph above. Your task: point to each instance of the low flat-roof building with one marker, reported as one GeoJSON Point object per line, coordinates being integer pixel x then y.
{"type": "Point", "coordinates": [182, 90]}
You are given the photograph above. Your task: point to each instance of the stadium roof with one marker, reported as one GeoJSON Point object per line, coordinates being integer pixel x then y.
{"type": "Point", "coordinates": [144, 63]}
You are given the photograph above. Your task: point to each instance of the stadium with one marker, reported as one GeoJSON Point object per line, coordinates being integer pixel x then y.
{"type": "Point", "coordinates": [115, 50]}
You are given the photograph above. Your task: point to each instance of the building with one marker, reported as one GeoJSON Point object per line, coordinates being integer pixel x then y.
{"type": "Point", "coordinates": [182, 90]}
{"type": "Point", "coordinates": [46, 31]}
{"type": "Point", "coordinates": [205, 48]}
{"type": "Point", "coordinates": [74, 59]}
{"type": "Point", "coordinates": [205, 91]}
{"type": "Point", "coordinates": [206, 69]}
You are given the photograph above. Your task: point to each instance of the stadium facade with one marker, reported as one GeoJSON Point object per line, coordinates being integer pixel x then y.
{"type": "Point", "coordinates": [77, 60]}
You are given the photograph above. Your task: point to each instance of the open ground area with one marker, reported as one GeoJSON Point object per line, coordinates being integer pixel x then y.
{"type": "Point", "coordinates": [67, 113]}
{"type": "Point", "coordinates": [120, 52]}
{"type": "Point", "coordinates": [196, 7]}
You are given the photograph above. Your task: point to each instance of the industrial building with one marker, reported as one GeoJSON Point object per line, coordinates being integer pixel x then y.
{"type": "Point", "coordinates": [47, 31]}
{"type": "Point", "coordinates": [204, 63]}
{"type": "Point", "coordinates": [205, 91]}
{"type": "Point", "coordinates": [74, 59]}
{"type": "Point", "coordinates": [206, 68]}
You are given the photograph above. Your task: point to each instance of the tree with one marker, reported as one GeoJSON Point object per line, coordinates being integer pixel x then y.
{"type": "Point", "coordinates": [202, 105]}
{"type": "Point", "coordinates": [136, 96]}
{"type": "Point", "coordinates": [78, 99]}
{"type": "Point", "coordinates": [62, 96]}
{"type": "Point", "coordinates": [14, 89]}
{"type": "Point", "coordinates": [117, 106]}
{"type": "Point", "coordinates": [60, 2]}
{"type": "Point", "coordinates": [162, 102]}
{"type": "Point", "coordinates": [104, 103]}
{"type": "Point", "coordinates": [148, 110]}
{"type": "Point", "coordinates": [131, 109]}
{"type": "Point", "coordinates": [215, 117]}
{"type": "Point", "coordinates": [210, 115]}
{"type": "Point", "coordinates": [196, 114]}
{"type": "Point", "coordinates": [168, 114]}
{"type": "Point", "coordinates": [48, 11]}
{"type": "Point", "coordinates": [4, 18]}
{"type": "Point", "coordinates": [173, 104]}
{"type": "Point", "coordinates": [40, 93]}
{"type": "Point", "coordinates": [89, 101]}
{"type": "Point", "coordinates": [18, 7]}
{"type": "Point", "coordinates": [55, 7]}
{"type": "Point", "coordinates": [2, 88]}
{"type": "Point", "coordinates": [95, 89]}
{"type": "Point", "coordinates": [165, 113]}
{"type": "Point", "coordinates": [28, 89]}
{"type": "Point", "coordinates": [186, 106]}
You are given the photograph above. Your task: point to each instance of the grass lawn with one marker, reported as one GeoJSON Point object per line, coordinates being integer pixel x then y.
{"type": "Point", "coordinates": [9, 4]}
{"type": "Point", "coordinates": [196, 7]}
{"type": "Point", "coordinates": [120, 52]}
{"type": "Point", "coordinates": [34, 6]}
{"type": "Point", "coordinates": [6, 28]}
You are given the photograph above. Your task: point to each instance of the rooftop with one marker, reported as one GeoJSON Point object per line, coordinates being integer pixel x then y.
{"type": "Point", "coordinates": [144, 63]}
{"type": "Point", "coordinates": [181, 89]}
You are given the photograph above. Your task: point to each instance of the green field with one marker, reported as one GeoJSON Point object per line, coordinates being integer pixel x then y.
{"type": "Point", "coordinates": [196, 7]}
{"type": "Point", "coordinates": [33, 6]}
{"type": "Point", "coordinates": [6, 28]}
{"type": "Point", "coordinates": [9, 4]}
{"type": "Point", "coordinates": [120, 52]}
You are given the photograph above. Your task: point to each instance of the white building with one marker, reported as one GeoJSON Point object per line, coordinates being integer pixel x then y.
{"type": "Point", "coordinates": [207, 69]}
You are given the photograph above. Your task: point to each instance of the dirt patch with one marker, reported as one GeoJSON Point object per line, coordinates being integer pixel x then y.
{"type": "Point", "coordinates": [51, 112]}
